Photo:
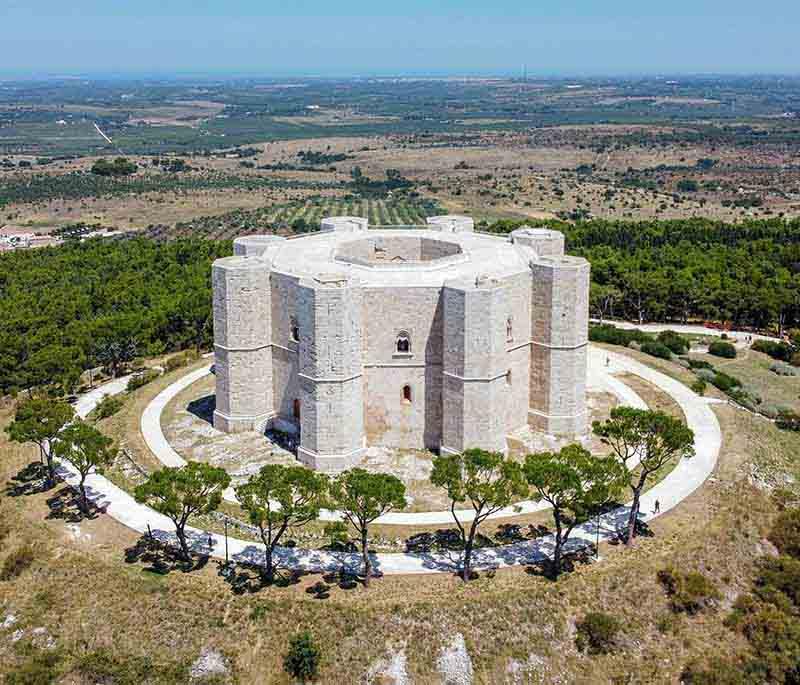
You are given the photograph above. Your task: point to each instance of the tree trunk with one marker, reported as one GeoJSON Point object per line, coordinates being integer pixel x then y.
{"type": "Point", "coordinates": [468, 545]}
{"type": "Point", "coordinates": [365, 556]}
{"type": "Point", "coordinates": [559, 542]}
{"type": "Point", "coordinates": [634, 515]}
{"type": "Point", "coordinates": [557, 556]}
{"type": "Point", "coordinates": [268, 558]}
{"type": "Point", "coordinates": [465, 569]}
{"type": "Point", "coordinates": [184, 545]}
{"type": "Point", "coordinates": [51, 470]}
{"type": "Point", "coordinates": [84, 499]}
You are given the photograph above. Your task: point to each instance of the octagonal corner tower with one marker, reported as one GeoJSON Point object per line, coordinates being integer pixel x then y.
{"type": "Point", "coordinates": [433, 337]}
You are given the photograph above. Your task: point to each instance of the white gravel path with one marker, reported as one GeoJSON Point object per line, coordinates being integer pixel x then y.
{"type": "Point", "coordinates": [681, 482]}
{"type": "Point", "coordinates": [599, 380]}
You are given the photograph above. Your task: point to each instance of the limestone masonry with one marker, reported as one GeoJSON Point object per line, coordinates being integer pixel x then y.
{"type": "Point", "coordinates": [415, 337]}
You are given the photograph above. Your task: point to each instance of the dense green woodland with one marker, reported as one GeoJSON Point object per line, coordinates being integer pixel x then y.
{"type": "Point", "coordinates": [103, 302]}
{"type": "Point", "coordinates": [747, 274]}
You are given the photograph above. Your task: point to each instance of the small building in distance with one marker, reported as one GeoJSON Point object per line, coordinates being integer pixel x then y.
{"type": "Point", "coordinates": [434, 337]}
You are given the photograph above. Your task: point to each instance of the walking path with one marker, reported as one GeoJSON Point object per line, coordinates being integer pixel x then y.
{"type": "Point", "coordinates": [687, 329]}
{"type": "Point", "coordinates": [599, 379]}
{"type": "Point", "coordinates": [684, 479]}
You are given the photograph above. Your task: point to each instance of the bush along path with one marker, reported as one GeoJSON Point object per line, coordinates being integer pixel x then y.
{"type": "Point", "coordinates": [685, 478]}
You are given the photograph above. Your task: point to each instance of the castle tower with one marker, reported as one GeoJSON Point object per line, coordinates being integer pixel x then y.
{"type": "Point", "coordinates": [344, 224]}
{"type": "Point", "coordinates": [475, 392]}
{"type": "Point", "coordinates": [545, 243]}
{"type": "Point", "coordinates": [255, 245]}
{"type": "Point", "coordinates": [331, 372]}
{"type": "Point", "coordinates": [451, 223]}
{"type": "Point", "coordinates": [242, 343]}
{"type": "Point", "coordinates": [559, 337]}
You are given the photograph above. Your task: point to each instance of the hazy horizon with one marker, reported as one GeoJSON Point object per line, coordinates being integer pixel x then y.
{"type": "Point", "coordinates": [355, 38]}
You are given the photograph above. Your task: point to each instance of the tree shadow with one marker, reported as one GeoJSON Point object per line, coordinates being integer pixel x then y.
{"type": "Point", "coordinates": [161, 558]}
{"type": "Point", "coordinates": [344, 579]}
{"type": "Point", "coordinates": [545, 568]}
{"type": "Point", "coordinates": [509, 533]}
{"type": "Point", "coordinates": [30, 480]}
{"type": "Point", "coordinates": [203, 408]}
{"type": "Point", "coordinates": [248, 578]}
{"type": "Point", "coordinates": [447, 539]}
{"type": "Point", "coordinates": [66, 505]}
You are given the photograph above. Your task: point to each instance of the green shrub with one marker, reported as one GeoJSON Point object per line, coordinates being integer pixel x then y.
{"type": "Point", "coordinates": [607, 333]}
{"type": "Point", "coordinates": [41, 667]}
{"type": "Point", "coordinates": [724, 382]}
{"type": "Point", "coordinates": [747, 397]}
{"type": "Point", "coordinates": [716, 671]}
{"type": "Point", "coordinates": [181, 360]}
{"type": "Point", "coordinates": [788, 420]}
{"type": "Point", "coordinates": [785, 532]}
{"type": "Point", "coordinates": [675, 342]}
{"type": "Point", "coordinates": [302, 659]}
{"type": "Point", "coordinates": [689, 592]}
{"type": "Point", "coordinates": [108, 406]}
{"type": "Point", "coordinates": [105, 666]}
{"type": "Point", "coordinates": [18, 562]}
{"type": "Point", "coordinates": [783, 369]}
{"type": "Point", "coordinates": [597, 633]}
{"type": "Point", "coordinates": [778, 582]}
{"type": "Point", "coordinates": [774, 636]}
{"type": "Point", "coordinates": [656, 349]}
{"type": "Point", "coordinates": [720, 348]}
{"type": "Point", "coordinates": [700, 364]}
{"type": "Point", "coordinates": [139, 380]}
{"type": "Point", "coordinates": [699, 386]}
{"type": "Point", "coordinates": [777, 350]}
{"type": "Point", "coordinates": [770, 411]}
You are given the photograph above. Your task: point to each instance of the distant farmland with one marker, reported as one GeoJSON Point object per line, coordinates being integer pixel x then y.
{"type": "Point", "coordinates": [301, 217]}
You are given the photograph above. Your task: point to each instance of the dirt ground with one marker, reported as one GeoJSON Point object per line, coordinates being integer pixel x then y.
{"type": "Point", "coordinates": [187, 425]}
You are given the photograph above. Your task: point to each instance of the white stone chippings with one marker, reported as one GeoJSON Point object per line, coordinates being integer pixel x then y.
{"type": "Point", "coordinates": [454, 663]}
{"type": "Point", "coordinates": [209, 663]}
{"type": "Point", "coordinates": [390, 671]}
{"type": "Point", "coordinates": [8, 622]}
{"type": "Point", "coordinates": [307, 338]}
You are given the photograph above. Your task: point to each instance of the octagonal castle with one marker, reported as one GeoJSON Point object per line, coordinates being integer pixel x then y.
{"type": "Point", "coordinates": [431, 337]}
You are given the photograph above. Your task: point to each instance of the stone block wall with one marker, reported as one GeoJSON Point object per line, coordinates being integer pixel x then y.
{"type": "Point", "coordinates": [318, 355]}
{"type": "Point", "coordinates": [242, 343]}
{"type": "Point", "coordinates": [329, 317]}
{"type": "Point", "coordinates": [560, 316]}
{"type": "Point", "coordinates": [476, 388]}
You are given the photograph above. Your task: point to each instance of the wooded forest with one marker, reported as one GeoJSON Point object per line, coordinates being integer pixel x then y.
{"type": "Point", "coordinates": [744, 274]}
{"type": "Point", "coordinates": [101, 302]}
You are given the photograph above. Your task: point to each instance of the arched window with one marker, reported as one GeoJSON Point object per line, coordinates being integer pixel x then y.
{"type": "Point", "coordinates": [296, 410]}
{"type": "Point", "coordinates": [407, 394]}
{"type": "Point", "coordinates": [295, 332]}
{"type": "Point", "coordinates": [509, 329]}
{"type": "Point", "coordinates": [403, 344]}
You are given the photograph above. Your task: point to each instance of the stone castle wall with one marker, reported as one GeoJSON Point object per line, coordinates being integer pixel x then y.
{"type": "Point", "coordinates": [317, 354]}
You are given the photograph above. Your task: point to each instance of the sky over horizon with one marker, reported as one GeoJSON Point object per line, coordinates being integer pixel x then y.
{"type": "Point", "coordinates": [359, 38]}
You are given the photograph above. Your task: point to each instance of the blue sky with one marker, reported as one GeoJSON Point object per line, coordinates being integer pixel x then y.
{"type": "Point", "coordinates": [355, 37]}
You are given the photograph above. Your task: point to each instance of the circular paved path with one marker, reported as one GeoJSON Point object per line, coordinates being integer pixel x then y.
{"type": "Point", "coordinates": [684, 479]}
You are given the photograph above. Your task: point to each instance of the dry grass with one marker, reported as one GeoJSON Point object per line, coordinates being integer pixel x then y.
{"type": "Point", "coordinates": [81, 590]}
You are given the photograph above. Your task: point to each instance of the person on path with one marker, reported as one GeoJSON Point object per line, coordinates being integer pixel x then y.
{"type": "Point", "coordinates": [657, 507]}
